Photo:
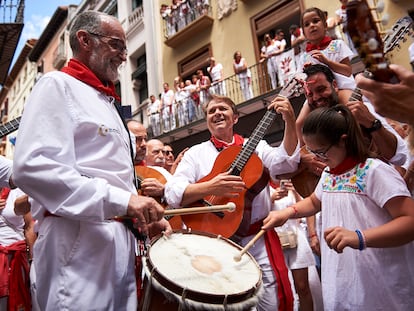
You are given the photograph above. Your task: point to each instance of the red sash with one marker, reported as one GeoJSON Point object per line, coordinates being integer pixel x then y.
{"type": "Point", "coordinates": [15, 282]}
{"type": "Point", "coordinates": [277, 261]}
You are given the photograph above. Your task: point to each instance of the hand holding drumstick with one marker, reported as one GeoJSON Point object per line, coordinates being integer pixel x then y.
{"type": "Point", "coordinates": [249, 245]}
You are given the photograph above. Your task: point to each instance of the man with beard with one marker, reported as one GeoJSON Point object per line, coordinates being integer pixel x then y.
{"type": "Point", "coordinates": [74, 158]}
{"type": "Point", "coordinates": [322, 91]}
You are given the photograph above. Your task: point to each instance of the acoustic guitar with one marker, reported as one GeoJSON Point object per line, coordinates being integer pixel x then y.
{"type": "Point", "coordinates": [240, 161]}
{"type": "Point", "coordinates": [143, 172]}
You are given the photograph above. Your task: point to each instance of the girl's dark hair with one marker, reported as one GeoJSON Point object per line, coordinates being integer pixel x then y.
{"type": "Point", "coordinates": [329, 124]}
{"type": "Point", "coordinates": [318, 12]}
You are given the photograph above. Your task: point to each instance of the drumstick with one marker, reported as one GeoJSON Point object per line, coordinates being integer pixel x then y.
{"type": "Point", "coordinates": [202, 209]}
{"type": "Point", "coordinates": [248, 245]}
{"type": "Point", "coordinates": [194, 210]}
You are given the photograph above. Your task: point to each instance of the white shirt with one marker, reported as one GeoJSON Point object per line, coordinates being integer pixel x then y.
{"type": "Point", "coordinates": [76, 164]}
{"type": "Point", "coordinates": [198, 162]}
{"type": "Point", "coordinates": [377, 278]}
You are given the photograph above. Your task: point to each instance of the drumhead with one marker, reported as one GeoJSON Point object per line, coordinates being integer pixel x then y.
{"type": "Point", "coordinates": [202, 266]}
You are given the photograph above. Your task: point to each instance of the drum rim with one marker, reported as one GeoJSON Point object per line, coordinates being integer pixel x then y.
{"type": "Point", "coordinates": [200, 296]}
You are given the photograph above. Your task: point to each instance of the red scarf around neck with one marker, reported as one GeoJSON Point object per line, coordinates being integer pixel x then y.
{"type": "Point", "coordinates": [321, 46]}
{"type": "Point", "coordinates": [344, 166]}
{"type": "Point", "coordinates": [81, 72]}
{"type": "Point", "coordinates": [220, 144]}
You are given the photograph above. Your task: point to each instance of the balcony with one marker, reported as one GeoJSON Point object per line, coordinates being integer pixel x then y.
{"type": "Point", "coordinates": [10, 30]}
{"type": "Point", "coordinates": [181, 25]}
{"type": "Point", "coordinates": [251, 106]}
{"type": "Point", "coordinates": [136, 19]}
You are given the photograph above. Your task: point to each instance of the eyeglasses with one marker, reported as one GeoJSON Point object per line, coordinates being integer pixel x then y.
{"type": "Point", "coordinates": [114, 43]}
{"type": "Point", "coordinates": [167, 152]}
{"type": "Point", "coordinates": [320, 154]}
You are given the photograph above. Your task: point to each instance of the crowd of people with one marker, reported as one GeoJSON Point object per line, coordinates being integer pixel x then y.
{"type": "Point", "coordinates": [181, 13]}
{"type": "Point", "coordinates": [279, 61]}
{"type": "Point", "coordinates": [94, 191]}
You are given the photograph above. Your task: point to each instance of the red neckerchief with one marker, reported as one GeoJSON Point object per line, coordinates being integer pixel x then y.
{"type": "Point", "coordinates": [220, 145]}
{"type": "Point", "coordinates": [345, 166]}
{"type": "Point", "coordinates": [81, 72]}
{"type": "Point", "coordinates": [4, 193]}
{"type": "Point", "coordinates": [321, 46]}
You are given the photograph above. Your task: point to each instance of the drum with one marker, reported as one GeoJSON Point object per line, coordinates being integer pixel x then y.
{"type": "Point", "coordinates": [197, 271]}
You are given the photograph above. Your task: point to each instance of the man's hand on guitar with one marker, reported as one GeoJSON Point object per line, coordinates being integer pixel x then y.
{"type": "Point", "coordinates": [393, 101]}
{"type": "Point", "coordinates": [226, 185]}
{"type": "Point", "coordinates": [361, 113]}
{"type": "Point", "coordinates": [152, 187]}
{"type": "Point", "coordinates": [283, 106]}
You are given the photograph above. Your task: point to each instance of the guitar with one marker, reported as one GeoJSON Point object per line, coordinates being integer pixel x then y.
{"type": "Point", "coordinates": [399, 30]}
{"type": "Point", "coordinates": [240, 161]}
{"type": "Point", "coordinates": [143, 172]}
{"type": "Point", "coordinates": [364, 33]}
{"type": "Point", "coordinates": [9, 127]}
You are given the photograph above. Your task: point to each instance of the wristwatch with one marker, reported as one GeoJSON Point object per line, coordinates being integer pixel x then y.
{"type": "Point", "coordinates": [376, 125]}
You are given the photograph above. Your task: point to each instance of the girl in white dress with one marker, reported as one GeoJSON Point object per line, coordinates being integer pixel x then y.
{"type": "Point", "coordinates": [367, 218]}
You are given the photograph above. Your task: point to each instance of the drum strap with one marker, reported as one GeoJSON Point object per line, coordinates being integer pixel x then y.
{"type": "Point", "coordinates": [277, 260]}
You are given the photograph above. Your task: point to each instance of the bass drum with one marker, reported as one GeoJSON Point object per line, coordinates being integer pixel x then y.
{"type": "Point", "coordinates": [197, 271]}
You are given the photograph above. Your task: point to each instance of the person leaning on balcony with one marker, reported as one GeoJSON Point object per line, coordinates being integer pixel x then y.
{"type": "Point", "coordinates": [268, 53]}
{"type": "Point", "coordinates": [215, 70]}
{"type": "Point", "coordinates": [74, 159]}
{"type": "Point", "coordinates": [153, 114]}
{"type": "Point", "coordinates": [167, 108]}
{"type": "Point", "coordinates": [244, 74]}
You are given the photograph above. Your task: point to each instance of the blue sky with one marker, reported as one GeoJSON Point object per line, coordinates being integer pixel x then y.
{"type": "Point", "coordinates": [37, 14]}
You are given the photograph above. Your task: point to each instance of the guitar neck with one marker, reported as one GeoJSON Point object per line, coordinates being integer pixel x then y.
{"type": "Point", "coordinates": [356, 95]}
{"type": "Point", "coordinates": [257, 135]}
{"type": "Point", "coordinates": [9, 127]}
{"type": "Point", "coordinates": [293, 88]}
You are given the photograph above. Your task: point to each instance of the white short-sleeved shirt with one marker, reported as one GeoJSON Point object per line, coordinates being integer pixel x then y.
{"type": "Point", "coordinates": [381, 278]}
{"type": "Point", "coordinates": [336, 51]}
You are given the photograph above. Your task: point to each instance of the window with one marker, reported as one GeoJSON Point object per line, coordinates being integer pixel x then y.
{"type": "Point", "coordinates": [136, 3]}
{"type": "Point", "coordinates": [198, 60]}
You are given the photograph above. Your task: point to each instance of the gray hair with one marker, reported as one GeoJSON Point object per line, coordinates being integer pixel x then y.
{"type": "Point", "coordinates": [89, 21]}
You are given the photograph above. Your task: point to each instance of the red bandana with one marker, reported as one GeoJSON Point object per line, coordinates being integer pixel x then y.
{"type": "Point", "coordinates": [345, 166]}
{"type": "Point", "coordinates": [81, 72]}
{"type": "Point", "coordinates": [321, 46]}
{"type": "Point", "coordinates": [220, 145]}
{"type": "Point", "coordinates": [4, 193]}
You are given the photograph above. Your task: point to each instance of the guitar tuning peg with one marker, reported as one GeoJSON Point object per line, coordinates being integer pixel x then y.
{"type": "Point", "coordinates": [380, 6]}
{"type": "Point", "coordinates": [372, 44]}
{"type": "Point", "coordinates": [385, 19]}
